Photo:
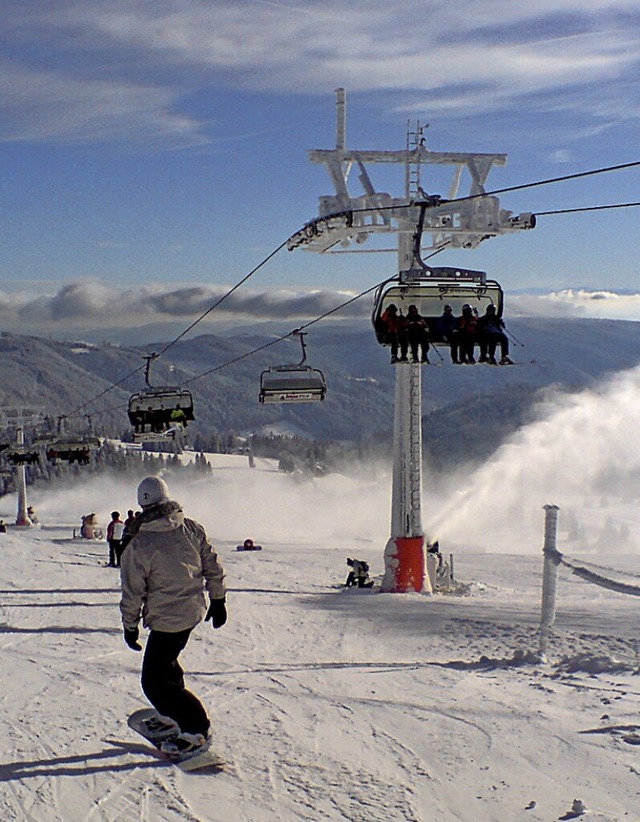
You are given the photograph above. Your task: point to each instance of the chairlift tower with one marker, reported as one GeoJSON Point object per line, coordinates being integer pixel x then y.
{"type": "Point", "coordinates": [16, 418]}
{"type": "Point", "coordinates": [459, 221]}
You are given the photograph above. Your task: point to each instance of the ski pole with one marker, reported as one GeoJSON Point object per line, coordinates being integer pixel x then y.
{"type": "Point", "coordinates": [514, 338]}
{"type": "Point", "coordinates": [433, 348]}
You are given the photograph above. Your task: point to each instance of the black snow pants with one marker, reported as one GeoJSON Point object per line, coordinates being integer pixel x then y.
{"type": "Point", "coordinates": [113, 552]}
{"type": "Point", "coordinates": [163, 682]}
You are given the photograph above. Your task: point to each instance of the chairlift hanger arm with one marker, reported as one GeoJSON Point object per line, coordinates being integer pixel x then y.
{"type": "Point", "coordinates": [301, 335]}
{"type": "Point", "coordinates": [149, 358]}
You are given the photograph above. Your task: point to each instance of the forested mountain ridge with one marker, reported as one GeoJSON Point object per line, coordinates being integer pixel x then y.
{"type": "Point", "coordinates": [60, 377]}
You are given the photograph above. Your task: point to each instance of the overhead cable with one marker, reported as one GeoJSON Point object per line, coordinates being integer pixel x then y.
{"type": "Point", "coordinates": [283, 244]}
{"type": "Point", "coordinates": [586, 208]}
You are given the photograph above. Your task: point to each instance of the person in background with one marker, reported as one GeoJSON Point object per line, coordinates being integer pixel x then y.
{"type": "Point", "coordinates": [89, 529]}
{"type": "Point", "coordinates": [448, 330]}
{"type": "Point", "coordinates": [126, 533]}
{"type": "Point", "coordinates": [469, 336]}
{"type": "Point", "coordinates": [138, 418]}
{"type": "Point", "coordinates": [434, 548]}
{"type": "Point", "coordinates": [115, 529]}
{"type": "Point", "coordinates": [168, 566]}
{"type": "Point", "coordinates": [395, 330]}
{"type": "Point", "coordinates": [178, 416]}
{"type": "Point", "coordinates": [491, 331]}
{"type": "Point", "coordinates": [418, 334]}
{"type": "Point", "coordinates": [359, 574]}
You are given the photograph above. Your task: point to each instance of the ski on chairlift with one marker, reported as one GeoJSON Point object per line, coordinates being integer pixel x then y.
{"type": "Point", "coordinates": [293, 383]}
{"type": "Point", "coordinates": [159, 413]}
{"type": "Point", "coordinates": [430, 289]}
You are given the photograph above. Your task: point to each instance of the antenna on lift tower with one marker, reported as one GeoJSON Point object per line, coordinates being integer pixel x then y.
{"type": "Point", "coordinates": [415, 141]}
{"type": "Point", "coordinates": [459, 221]}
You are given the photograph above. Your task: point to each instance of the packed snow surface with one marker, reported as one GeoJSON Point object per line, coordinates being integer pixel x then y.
{"type": "Point", "coordinates": [328, 703]}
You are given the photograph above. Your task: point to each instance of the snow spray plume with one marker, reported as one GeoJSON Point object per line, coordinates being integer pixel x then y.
{"type": "Point", "coordinates": [578, 454]}
{"type": "Point", "coordinates": [236, 501]}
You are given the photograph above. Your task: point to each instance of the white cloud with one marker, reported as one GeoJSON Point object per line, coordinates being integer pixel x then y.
{"type": "Point", "coordinates": [45, 105]}
{"type": "Point", "coordinates": [89, 70]}
{"type": "Point", "coordinates": [578, 303]}
{"type": "Point", "coordinates": [561, 155]}
{"type": "Point", "coordinates": [88, 305]}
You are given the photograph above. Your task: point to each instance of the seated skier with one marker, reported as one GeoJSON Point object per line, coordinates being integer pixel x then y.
{"type": "Point", "coordinates": [359, 574]}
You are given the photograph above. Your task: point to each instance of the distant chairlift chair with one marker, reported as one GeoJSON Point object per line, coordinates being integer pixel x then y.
{"type": "Point", "coordinates": [159, 413]}
{"type": "Point", "coordinates": [68, 446]}
{"type": "Point", "coordinates": [292, 383]}
{"type": "Point", "coordinates": [72, 449]}
{"type": "Point", "coordinates": [23, 455]}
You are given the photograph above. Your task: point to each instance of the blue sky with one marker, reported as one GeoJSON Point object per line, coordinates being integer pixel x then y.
{"type": "Point", "coordinates": [153, 145]}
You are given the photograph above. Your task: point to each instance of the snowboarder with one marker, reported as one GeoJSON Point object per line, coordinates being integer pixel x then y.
{"type": "Point", "coordinates": [359, 574]}
{"type": "Point", "coordinates": [166, 568]}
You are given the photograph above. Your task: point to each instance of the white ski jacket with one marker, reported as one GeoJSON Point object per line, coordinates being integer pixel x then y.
{"type": "Point", "coordinates": [165, 570]}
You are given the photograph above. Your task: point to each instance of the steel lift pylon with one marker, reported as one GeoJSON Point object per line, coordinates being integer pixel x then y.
{"type": "Point", "coordinates": [456, 222]}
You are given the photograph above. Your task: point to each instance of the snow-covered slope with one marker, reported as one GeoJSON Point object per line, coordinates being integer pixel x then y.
{"type": "Point", "coordinates": [331, 704]}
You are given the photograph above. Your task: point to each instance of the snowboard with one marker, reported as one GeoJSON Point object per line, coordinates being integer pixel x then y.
{"type": "Point", "coordinates": [203, 759]}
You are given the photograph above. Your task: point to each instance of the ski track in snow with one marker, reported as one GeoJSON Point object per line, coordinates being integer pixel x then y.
{"type": "Point", "coordinates": [330, 704]}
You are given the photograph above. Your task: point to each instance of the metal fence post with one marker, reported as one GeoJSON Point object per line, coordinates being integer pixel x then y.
{"type": "Point", "coordinates": [552, 559]}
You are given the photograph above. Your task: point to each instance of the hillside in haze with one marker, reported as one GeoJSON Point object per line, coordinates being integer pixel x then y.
{"type": "Point", "coordinates": [468, 409]}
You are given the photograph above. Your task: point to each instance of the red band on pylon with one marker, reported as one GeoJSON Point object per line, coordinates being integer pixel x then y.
{"type": "Point", "coordinates": [410, 568]}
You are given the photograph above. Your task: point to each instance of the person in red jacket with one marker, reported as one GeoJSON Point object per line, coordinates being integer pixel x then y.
{"type": "Point", "coordinates": [469, 333]}
{"type": "Point", "coordinates": [115, 530]}
{"type": "Point", "coordinates": [395, 330]}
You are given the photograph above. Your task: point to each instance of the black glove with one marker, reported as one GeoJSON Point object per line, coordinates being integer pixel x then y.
{"type": "Point", "coordinates": [217, 612]}
{"type": "Point", "coordinates": [131, 638]}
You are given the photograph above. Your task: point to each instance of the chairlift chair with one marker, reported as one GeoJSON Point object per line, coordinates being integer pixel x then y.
{"type": "Point", "coordinates": [430, 290]}
{"type": "Point", "coordinates": [65, 445]}
{"type": "Point", "coordinates": [292, 383]}
{"type": "Point", "coordinates": [23, 455]}
{"type": "Point", "coordinates": [159, 413]}
{"type": "Point", "coordinates": [72, 449]}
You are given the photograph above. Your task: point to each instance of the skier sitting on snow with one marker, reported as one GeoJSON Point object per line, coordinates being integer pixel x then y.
{"type": "Point", "coordinates": [359, 575]}
{"type": "Point", "coordinates": [166, 568]}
